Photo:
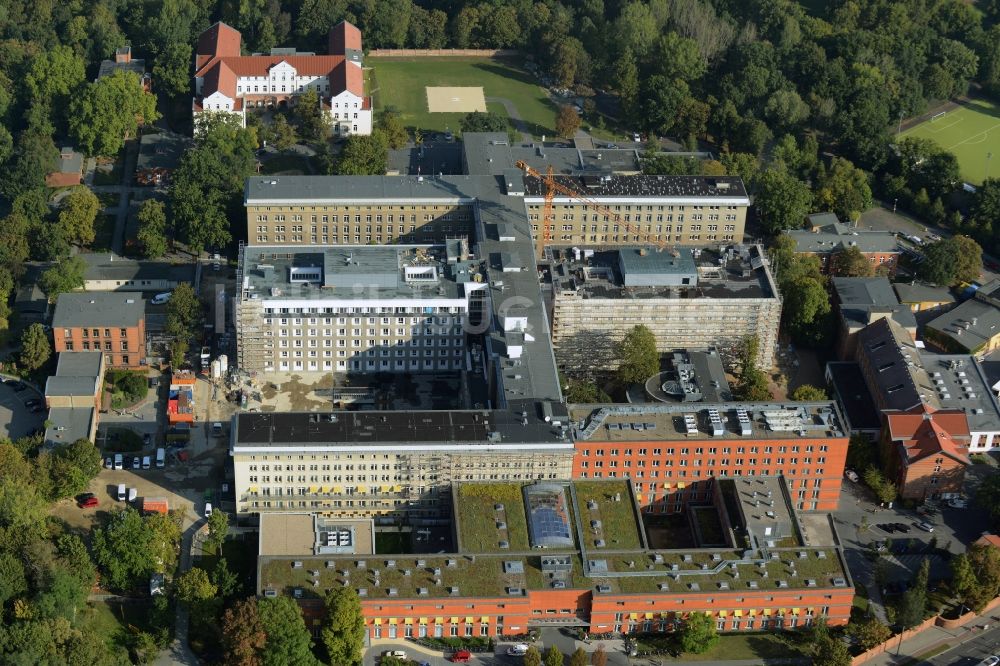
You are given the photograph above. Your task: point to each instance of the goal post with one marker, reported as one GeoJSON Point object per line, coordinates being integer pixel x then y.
{"type": "Point", "coordinates": [938, 115]}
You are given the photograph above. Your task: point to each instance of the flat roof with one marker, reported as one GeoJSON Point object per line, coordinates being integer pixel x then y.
{"type": "Point", "coordinates": [79, 364]}
{"type": "Point", "coordinates": [600, 510]}
{"type": "Point", "coordinates": [969, 325]}
{"type": "Point", "coordinates": [107, 266]}
{"type": "Point", "coordinates": [854, 397]}
{"type": "Point", "coordinates": [919, 292]}
{"type": "Point", "coordinates": [492, 153]}
{"type": "Point", "coordinates": [647, 261]}
{"type": "Point", "coordinates": [353, 272]}
{"type": "Point", "coordinates": [739, 273]}
{"type": "Point", "coordinates": [68, 424]}
{"type": "Point", "coordinates": [862, 299]}
{"type": "Point", "coordinates": [343, 190]}
{"type": "Point", "coordinates": [98, 309]}
{"type": "Point", "coordinates": [71, 386]}
{"type": "Point", "coordinates": [296, 534]}
{"type": "Point", "coordinates": [395, 430]}
{"type": "Point", "coordinates": [961, 383]}
{"type": "Point", "coordinates": [834, 240]}
{"type": "Point", "coordinates": [700, 420]}
{"type": "Point", "coordinates": [639, 188]}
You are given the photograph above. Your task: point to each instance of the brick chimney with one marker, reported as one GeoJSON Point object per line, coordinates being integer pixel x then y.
{"type": "Point", "coordinates": [124, 54]}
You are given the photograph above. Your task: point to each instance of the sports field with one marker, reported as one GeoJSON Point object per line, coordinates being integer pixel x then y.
{"type": "Point", "coordinates": [402, 84]}
{"type": "Point", "coordinates": [971, 132]}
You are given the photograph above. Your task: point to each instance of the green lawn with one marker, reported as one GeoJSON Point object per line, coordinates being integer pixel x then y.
{"type": "Point", "coordinates": [618, 522]}
{"type": "Point", "coordinates": [970, 132]}
{"type": "Point", "coordinates": [400, 83]}
{"type": "Point", "coordinates": [477, 519]}
{"type": "Point", "coordinates": [392, 543]}
{"type": "Point", "coordinates": [733, 647]}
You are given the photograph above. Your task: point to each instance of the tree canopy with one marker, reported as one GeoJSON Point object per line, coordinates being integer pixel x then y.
{"type": "Point", "coordinates": [109, 111]}
{"type": "Point", "coordinates": [343, 630]}
{"type": "Point", "coordinates": [698, 633]}
{"type": "Point", "coordinates": [637, 356]}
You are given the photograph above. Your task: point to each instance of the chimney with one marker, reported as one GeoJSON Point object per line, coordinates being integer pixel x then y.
{"type": "Point", "coordinates": [124, 54]}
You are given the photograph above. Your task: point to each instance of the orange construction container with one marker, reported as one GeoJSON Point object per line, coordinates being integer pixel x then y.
{"type": "Point", "coordinates": [155, 505]}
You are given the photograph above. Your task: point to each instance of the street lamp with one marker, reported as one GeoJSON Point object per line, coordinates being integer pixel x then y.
{"type": "Point", "coordinates": [894, 201]}
{"type": "Point", "coordinates": [988, 157]}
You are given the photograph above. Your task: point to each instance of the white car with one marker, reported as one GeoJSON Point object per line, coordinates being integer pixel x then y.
{"type": "Point", "coordinates": [992, 660]}
{"type": "Point", "coordinates": [518, 650]}
{"type": "Point", "coordinates": [397, 654]}
{"type": "Point", "coordinates": [851, 475]}
{"type": "Point", "coordinates": [958, 503]}
{"type": "Point", "coordinates": [925, 526]}
{"type": "Point", "coordinates": [160, 299]}
{"type": "Point", "coordinates": [208, 509]}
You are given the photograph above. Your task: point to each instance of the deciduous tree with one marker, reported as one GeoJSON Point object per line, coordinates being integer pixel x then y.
{"type": "Point", "coordinates": [243, 634]}
{"type": "Point", "coordinates": [479, 121]}
{"type": "Point", "coordinates": [218, 528]}
{"type": "Point", "coordinates": [109, 111]}
{"type": "Point", "coordinates": [152, 231]}
{"type": "Point", "coordinates": [782, 201]}
{"type": "Point", "coordinates": [395, 132]}
{"type": "Point", "coordinates": [194, 586]}
{"type": "Point", "coordinates": [66, 275]}
{"type": "Point", "coordinates": [343, 630]}
{"type": "Point", "coordinates": [364, 155]}
{"type": "Point", "coordinates": [637, 355]}
{"type": "Point", "coordinates": [288, 639]}
{"type": "Point", "coordinates": [808, 393]}
{"type": "Point", "coordinates": [567, 122]}
{"type": "Point", "coordinates": [554, 657]}
{"type": "Point", "coordinates": [532, 657]}
{"type": "Point", "coordinates": [184, 312]}
{"type": "Point", "coordinates": [698, 633]}
{"type": "Point", "coordinates": [869, 633]}
{"type": "Point", "coordinates": [35, 347]}
{"type": "Point", "coordinates": [851, 262]}
{"type": "Point", "coordinates": [77, 215]}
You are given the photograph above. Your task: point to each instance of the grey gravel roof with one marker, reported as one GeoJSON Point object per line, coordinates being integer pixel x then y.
{"type": "Point", "coordinates": [117, 308]}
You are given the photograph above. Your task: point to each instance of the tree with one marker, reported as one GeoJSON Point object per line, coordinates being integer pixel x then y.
{"type": "Point", "coordinates": [65, 276]}
{"type": "Point", "coordinates": [782, 201]}
{"type": "Point", "coordinates": [243, 634]}
{"type": "Point", "coordinates": [970, 259]}
{"type": "Point", "coordinates": [218, 528]}
{"type": "Point", "coordinates": [582, 391]}
{"type": "Point", "coordinates": [698, 633]}
{"type": "Point", "coordinates": [129, 547]}
{"type": "Point", "coordinates": [288, 641]}
{"type": "Point", "coordinates": [554, 657]}
{"type": "Point", "coordinates": [751, 382]}
{"type": "Point", "coordinates": [184, 312]}
{"type": "Point", "coordinates": [79, 210]}
{"type": "Point", "coordinates": [314, 123]}
{"type": "Point", "coordinates": [193, 586]}
{"type": "Point", "coordinates": [34, 156]}
{"type": "Point", "coordinates": [343, 630]}
{"type": "Point", "coordinates": [152, 231]}
{"type": "Point", "coordinates": [479, 121]}
{"type": "Point", "coordinates": [599, 657]}
{"type": "Point", "coordinates": [883, 488]}
{"type": "Point", "coordinates": [851, 262]}
{"type": "Point", "coordinates": [869, 633]}
{"type": "Point", "coordinates": [988, 497]}
{"type": "Point", "coordinates": [637, 355]}
{"type": "Point", "coordinates": [808, 393]}
{"type": "Point", "coordinates": [171, 69]}
{"type": "Point", "coordinates": [912, 606]}
{"type": "Point", "coordinates": [579, 658]}
{"type": "Point", "coordinates": [678, 57]}
{"type": "Point", "coordinates": [206, 188]}
{"type": "Point", "coordinates": [985, 562]}
{"type": "Point", "coordinates": [225, 579]}
{"type": "Point", "coordinates": [567, 122]}
{"type": "Point", "coordinates": [861, 453]}
{"type": "Point", "coordinates": [395, 132]}
{"type": "Point", "coordinates": [178, 352]}
{"type": "Point", "coordinates": [830, 651]}
{"type": "Point", "coordinates": [364, 155]}
{"type": "Point", "coordinates": [109, 111]}
{"type": "Point", "coordinates": [532, 657]}
{"type": "Point", "coordinates": [940, 262]}
{"type": "Point", "coordinates": [963, 578]}
{"type": "Point", "coordinates": [844, 189]}
{"type": "Point", "coordinates": [280, 133]}
{"type": "Point", "coordinates": [35, 347]}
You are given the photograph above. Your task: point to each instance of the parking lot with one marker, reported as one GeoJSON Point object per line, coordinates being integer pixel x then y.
{"type": "Point", "coordinates": [17, 418]}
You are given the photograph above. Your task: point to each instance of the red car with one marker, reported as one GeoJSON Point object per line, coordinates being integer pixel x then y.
{"type": "Point", "coordinates": [88, 503]}
{"type": "Point", "coordinates": [461, 657]}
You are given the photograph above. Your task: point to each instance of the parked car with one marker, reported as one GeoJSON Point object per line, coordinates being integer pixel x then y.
{"type": "Point", "coordinates": [958, 503]}
{"type": "Point", "coordinates": [518, 650]}
{"type": "Point", "coordinates": [925, 526]}
{"type": "Point", "coordinates": [37, 409]}
{"type": "Point", "coordinates": [119, 461]}
{"type": "Point", "coordinates": [160, 299]}
{"type": "Point", "coordinates": [122, 494]}
{"type": "Point", "coordinates": [147, 438]}
{"type": "Point", "coordinates": [32, 402]}
{"type": "Point", "coordinates": [637, 137]}
{"type": "Point", "coordinates": [461, 657]}
{"type": "Point", "coordinates": [216, 429]}
{"type": "Point", "coordinates": [208, 513]}
{"type": "Point", "coordinates": [902, 527]}
{"type": "Point", "coordinates": [109, 463]}
{"type": "Point", "coordinates": [132, 494]}
{"type": "Point", "coordinates": [991, 660]}
{"type": "Point", "coordinates": [886, 527]}
{"type": "Point", "coordinates": [397, 654]}
{"type": "Point", "coordinates": [88, 503]}
{"type": "Point", "coordinates": [851, 475]}
{"type": "Point", "coordinates": [136, 462]}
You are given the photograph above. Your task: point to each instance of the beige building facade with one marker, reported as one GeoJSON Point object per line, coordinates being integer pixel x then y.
{"type": "Point", "coordinates": [385, 464]}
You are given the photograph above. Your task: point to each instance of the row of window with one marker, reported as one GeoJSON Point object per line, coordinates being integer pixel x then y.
{"type": "Point", "coordinates": [428, 364]}
{"type": "Point", "coordinates": [94, 332]}
{"type": "Point", "coordinates": [460, 214]}
{"type": "Point", "coordinates": [638, 208]}
{"type": "Point", "coordinates": [711, 450]}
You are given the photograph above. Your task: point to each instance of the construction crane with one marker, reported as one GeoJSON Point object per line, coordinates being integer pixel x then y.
{"type": "Point", "coordinates": [552, 187]}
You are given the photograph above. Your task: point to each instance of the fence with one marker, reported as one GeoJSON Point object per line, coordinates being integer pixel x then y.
{"type": "Point", "coordinates": [926, 624]}
{"type": "Point", "coordinates": [433, 53]}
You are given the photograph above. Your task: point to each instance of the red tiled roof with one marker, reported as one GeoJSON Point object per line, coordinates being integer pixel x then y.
{"type": "Point", "coordinates": [988, 540]}
{"type": "Point", "coordinates": [260, 65]}
{"type": "Point", "coordinates": [344, 36]}
{"type": "Point", "coordinates": [347, 76]}
{"type": "Point", "coordinates": [924, 431]}
{"type": "Point", "coordinates": [219, 40]}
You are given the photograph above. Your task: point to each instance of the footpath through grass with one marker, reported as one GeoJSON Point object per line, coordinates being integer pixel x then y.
{"type": "Point", "coordinates": [970, 132]}
{"type": "Point", "coordinates": [400, 83]}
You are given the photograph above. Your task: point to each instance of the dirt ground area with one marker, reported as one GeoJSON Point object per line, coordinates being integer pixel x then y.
{"type": "Point", "coordinates": [450, 99]}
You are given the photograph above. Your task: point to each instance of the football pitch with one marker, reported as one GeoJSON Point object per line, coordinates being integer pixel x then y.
{"type": "Point", "coordinates": [403, 83]}
{"type": "Point", "coordinates": [971, 132]}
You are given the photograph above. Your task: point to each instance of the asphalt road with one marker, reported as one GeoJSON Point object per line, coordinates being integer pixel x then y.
{"type": "Point", "coordinates": [976, 646]}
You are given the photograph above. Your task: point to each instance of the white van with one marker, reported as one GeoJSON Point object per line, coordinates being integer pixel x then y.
{"type": "Point", "coordinates": [121, 492]}
{"type": "Point", "coordinates": [119, 461]}
{"type": "Point", "coordinates": [160, 299]}
{"type": "Point", "coordinates": [132, 493]}
{"type": "Point", "coordinates": [161, 457]}
{"type": "Point", "coordinates": [146, 462]}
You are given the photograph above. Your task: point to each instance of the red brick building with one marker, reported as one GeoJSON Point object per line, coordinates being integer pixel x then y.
{"type": "Point", "coordinates": [825, 236]}
{"type": "Point", "coordinates": [672, 452]}
{"type": "Point", "coordinates": [110, 322]}
{"type": "Point", "coordinates": [926, 450]}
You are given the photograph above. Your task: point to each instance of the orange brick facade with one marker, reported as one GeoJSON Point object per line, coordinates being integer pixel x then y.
{"type": "Point", "coordinates": [668, 474]}
{"type": "Point", "coordinates": [122, 347]}
{"type": "Point", "coordinates": [629, 613]}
